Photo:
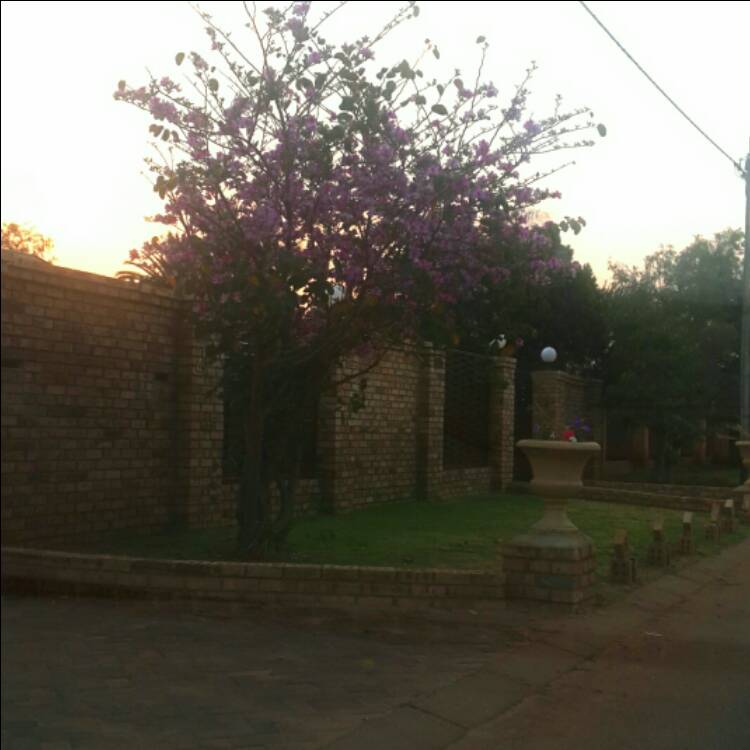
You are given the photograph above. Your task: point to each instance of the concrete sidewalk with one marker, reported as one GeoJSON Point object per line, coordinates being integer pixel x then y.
{"type": "Point", "coordinates": [669, 667]}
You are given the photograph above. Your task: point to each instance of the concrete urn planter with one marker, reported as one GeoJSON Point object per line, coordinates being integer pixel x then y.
{"type": "Point", "coordinates": [557, 468]}
{"type": "Point", "coordinates": [553, 561]}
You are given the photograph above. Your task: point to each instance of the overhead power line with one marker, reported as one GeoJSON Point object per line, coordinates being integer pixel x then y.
{"type": "Point", "coordinates": [735, 162]}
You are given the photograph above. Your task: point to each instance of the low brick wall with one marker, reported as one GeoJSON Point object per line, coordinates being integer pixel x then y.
{"type": "Point", "coordinates": [455, 483]}
{"type": "Point", "coordinates": [681, 490]}
{"type": "Point", "coordinates": [606, 493]}
{"type": "Point", "coordinates": [649, 499]}
{"type": "Point", "coordinates": [324, 586]}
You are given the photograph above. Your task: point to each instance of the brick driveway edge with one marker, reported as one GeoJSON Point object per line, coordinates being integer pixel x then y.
{"type": "Point", "coordinates": [442, 718]}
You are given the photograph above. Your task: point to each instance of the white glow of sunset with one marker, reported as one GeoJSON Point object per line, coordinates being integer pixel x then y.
{"type": "Point", "coordinates": [72, 157]}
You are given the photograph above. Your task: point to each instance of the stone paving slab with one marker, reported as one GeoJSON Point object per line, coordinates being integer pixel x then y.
{"type": "Point", "coordinates": [474, 699]}
{"type": "Point", "coordinates": [406, 728]}
{"type": "Point", "coordinates": [533, 662]}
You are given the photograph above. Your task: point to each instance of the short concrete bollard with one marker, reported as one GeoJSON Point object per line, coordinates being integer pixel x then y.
{"type": "Point", "coordinates": [686, 540]}
{"type": "Point", "coordinates": [658, 550]}
{"type": "Point", "coordinates": [713, 529]}
{"type": "Point", "coordinates": [728, 520]}
{"type": "Point", "coordinates": [623, 566]}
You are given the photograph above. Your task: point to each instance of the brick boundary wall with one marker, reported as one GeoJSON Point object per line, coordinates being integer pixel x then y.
{"type": "Point", "coordinates": [455, 483]}
{"type": "Point", "coordinates": [324, 586]}
{"type": "Point", "coordinates": [112, 419]}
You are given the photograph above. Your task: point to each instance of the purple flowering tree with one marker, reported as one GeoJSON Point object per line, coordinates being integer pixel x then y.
{"type": "Point", "coordinates": [319, 205]}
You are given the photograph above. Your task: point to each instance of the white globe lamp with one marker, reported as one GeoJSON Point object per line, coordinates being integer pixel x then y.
{"type": "Point", "coordinates": [549, 355]}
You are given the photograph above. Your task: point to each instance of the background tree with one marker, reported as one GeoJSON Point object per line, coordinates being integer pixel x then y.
{"type": "Point", "coordinates": [151, 265]}
{"type": "Point", "coordinates": [674, 327]}
{"type": "Point", "coordinates": [546, 299]}
{"type": "Point", "coordinates": [321, 207]}
{"type": "Point", "coordinates": [25, 239]}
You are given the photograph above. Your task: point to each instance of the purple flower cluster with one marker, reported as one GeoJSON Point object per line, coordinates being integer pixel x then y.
{"type": "Point", "coordinates": [295, 188]}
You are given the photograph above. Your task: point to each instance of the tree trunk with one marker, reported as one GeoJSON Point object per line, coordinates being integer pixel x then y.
{"type": "Point", "coordinates": [253, 501]}
{"type": "Point", "coordinates": [283, 523]}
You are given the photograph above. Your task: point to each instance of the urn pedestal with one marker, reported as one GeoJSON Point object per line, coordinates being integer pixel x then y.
{"type": "Point", "coordinates": [553, 561]}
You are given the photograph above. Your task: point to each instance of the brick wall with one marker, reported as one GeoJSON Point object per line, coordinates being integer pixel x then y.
{"type": "Point", "coordinates": [392, 447]}
{"type": "Point", "coordinates": [374, 448]}
{"type": "Point", "coordinates": [89, 403]}
{"type": "Point", "coordinates": [111, 418]}
{"type": "Point", "coordinates": [332, 586]}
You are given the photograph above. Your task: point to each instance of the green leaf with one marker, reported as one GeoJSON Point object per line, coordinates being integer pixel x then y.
{"type": "Point", "coordinates": [121, 85]}
{"type": "Point", "coordinates": [436, 52]}
{"type": "Point", "coordinates": [602, 129]}
{"type": "Point", "coordinates": [213, 84]}
{"type": "Point", "coordinates": [404, 69]}
{"type": "Point", "coordinates": [179, 57]}
{"type": "Point", "coordinates": [155, 130]}
{"type": "Point", "coordinates": [420, 100]}
{"type": "Point", "coordinates": [439, 109]}
{"type": "Point", "coordinates": [347, 104]}
{"type": "Point", "coordinates": [481, 39]}
{"type": "Point", "coordinates": [320, 79]}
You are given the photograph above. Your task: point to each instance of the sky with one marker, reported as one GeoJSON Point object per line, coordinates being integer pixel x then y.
{"type": "Point", "coordinates": [72, 157]}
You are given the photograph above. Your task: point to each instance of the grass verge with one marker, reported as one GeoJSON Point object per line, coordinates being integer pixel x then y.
{"type": "Point", "coordinates": [464, 534]}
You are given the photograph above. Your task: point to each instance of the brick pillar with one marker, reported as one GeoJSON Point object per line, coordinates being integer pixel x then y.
{"type": "Point", "coordinates": [548, 397]}
{"type": "Point", "coordinates": [640, 449]}
{"type": "Point", "coordinates": [429, 428]}
{"type": "Point", "coordinates": [502, 414]}
{"type": "Point", "coordinates": [199, 434]}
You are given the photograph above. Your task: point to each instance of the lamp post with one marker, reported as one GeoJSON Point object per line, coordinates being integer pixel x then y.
{"type": "Point", "coordinates": [745, 326]}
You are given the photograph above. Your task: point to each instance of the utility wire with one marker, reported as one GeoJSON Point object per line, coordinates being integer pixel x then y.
{"type": "Point", "coordinates": [736, 163]}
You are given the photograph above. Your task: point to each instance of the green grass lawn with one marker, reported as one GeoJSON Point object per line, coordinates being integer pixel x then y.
{"type": "Point", "coordinates": [462, 534]}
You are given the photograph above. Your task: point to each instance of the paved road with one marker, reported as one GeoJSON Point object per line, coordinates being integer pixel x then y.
{"type": "Point", "coordinates": [81, 673]}
{"type": "Point", "coordinates": [668, 668]}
